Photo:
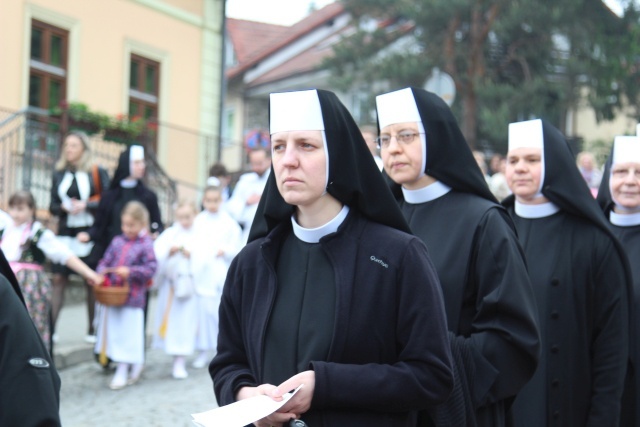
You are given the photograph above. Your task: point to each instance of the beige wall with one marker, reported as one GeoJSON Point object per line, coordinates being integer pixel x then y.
{"type": "Point", "coordinates": [103, 34]}
{"type": "Point", "coordinates": [590, 130]}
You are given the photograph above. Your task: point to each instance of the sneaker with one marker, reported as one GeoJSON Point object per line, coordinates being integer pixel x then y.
{"type": "Point", "coordinates": [90, 339]}
{"type": "Point", "coordinates": [201, 361]}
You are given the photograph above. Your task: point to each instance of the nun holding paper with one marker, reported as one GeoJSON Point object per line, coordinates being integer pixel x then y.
{"type": "Point", "coordinates": [619, 197]}
{"type": "Point", "coordinates": [331, 291]}
{"type": "Point", "coordinates": [581, 282]}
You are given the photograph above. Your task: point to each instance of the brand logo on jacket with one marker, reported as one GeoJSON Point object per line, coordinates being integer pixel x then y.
{"type": "Point", "coordinates": [379, 261]}
{"type": "Point", "coordinates": [38, 362]}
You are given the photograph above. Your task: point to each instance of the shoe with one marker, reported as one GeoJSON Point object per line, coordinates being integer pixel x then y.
{"type": "Point", "coordinates": [55, 338]}
{"type": "Point", "coordinates": [90, 339]}
{"type": "Point", "coordinates": [179, 373]}
{"type": "Point", "coordinates": [201, 361]}
{"type": "Point", "coordinates": [136, 373]}
{"type": "Point", "coordinates": [119, 380]}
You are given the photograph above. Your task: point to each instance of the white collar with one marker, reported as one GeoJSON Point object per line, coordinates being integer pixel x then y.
{"type": "Point", "coordinates": [624, 220]}
{"type": "Point", "coordinates": [425, 194]}
{"type": "Point", "coordinates": [535, 211]}
{"type": "Point", "coordinates": [128, 183]}
{"type": "Point", "coordinates": [313, 235]}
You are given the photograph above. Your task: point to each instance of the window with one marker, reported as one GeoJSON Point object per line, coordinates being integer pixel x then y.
{"type": "Point", "coordinates": [48, 65]}
{"type": "Point", "coordinates": [143, 91]}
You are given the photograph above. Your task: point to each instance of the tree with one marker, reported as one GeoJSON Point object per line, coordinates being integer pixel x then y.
{"type": "Point", "coordinates": [510, 59]}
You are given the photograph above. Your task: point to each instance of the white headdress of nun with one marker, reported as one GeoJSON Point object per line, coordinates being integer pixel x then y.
{"type": "Point", "coordinates": [400, 107]}
{"type": "Point", "coordinates": [528, 134]}
{"type": "Point", "coordinates": [136, 152]}
{"type": "Point", "coordinates": [626, 149]}
{"type": "Point", "coordinates": [294, 111]}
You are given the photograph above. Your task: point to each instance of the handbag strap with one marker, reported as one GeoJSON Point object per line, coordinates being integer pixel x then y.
{"type": "Point", "coordinates": [96, 179]}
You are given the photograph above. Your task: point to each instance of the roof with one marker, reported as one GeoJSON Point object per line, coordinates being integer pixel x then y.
{"type": "Point", "coordinates": [255, 41]}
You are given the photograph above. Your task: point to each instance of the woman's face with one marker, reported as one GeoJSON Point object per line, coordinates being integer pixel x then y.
{"type": "Point", "coordinates": [625, 184]}
{"type": "Point", "coordinates": [131, 227]}
{"type": "Point", "coordinates": [138, 168]}
{"type": "Point", "coordinates": [402, 156]}
{"type": "Point", "coordinates": [299, 165]}
{"type": "Point", "coordinates": [523, 172]}
{"type": "Point", "coordinates": [20, 213]}
{"type": "Point", "coordinates": [73, 149]}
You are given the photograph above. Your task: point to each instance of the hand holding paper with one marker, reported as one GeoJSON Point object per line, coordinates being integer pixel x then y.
{"type": "Point", "coordinates": [242, 412]}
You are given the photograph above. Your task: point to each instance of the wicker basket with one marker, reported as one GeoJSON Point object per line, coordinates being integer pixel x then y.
{"type": "Point", "coordinates": [112, 295]}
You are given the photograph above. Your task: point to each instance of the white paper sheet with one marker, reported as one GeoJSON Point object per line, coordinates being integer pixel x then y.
{"type": "Point", "coordinates": [242, 412]}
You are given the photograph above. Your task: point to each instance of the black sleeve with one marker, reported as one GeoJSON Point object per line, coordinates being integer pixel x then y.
{"type": "Point", "coordinates": [155, 219]}
{"type": "Point", "coordinates": [31, 390]}
{"type": "Point", "coordinates": [504, 339]}
{"type": "Point", "coordinates": [55, 207]}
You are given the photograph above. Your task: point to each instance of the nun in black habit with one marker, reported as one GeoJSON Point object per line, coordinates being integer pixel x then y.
{"type": "Point", "coordinates": [619, 197]}
{"type": "Point", "coordinates": [331, 291]}
{"type": "Point", "coordinates": [580, 278]}
{"type": "Point", "coordinates": [30, 386]}
{"type": "Point", "coordinates": [126, 186]}
{"type": "Point", "coordinates": [471, 239]}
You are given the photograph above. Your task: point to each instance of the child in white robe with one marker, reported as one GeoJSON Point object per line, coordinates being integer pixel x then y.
{"type": "Point", "coordinates": [219, 241]}
{"type": "Point", "coordinates": [129, 259]}
{"type": "Point", "coordinates": [177, 316]}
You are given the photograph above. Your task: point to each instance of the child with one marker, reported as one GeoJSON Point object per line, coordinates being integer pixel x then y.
{"type": "Point", "coordinates": [177, 317]}
{"type": "Point", "coordinates": [220, 239]}
{"type": "Point", "coordinates": [128, 259]}
{"type": "Point", "coordinates": [27, 244]}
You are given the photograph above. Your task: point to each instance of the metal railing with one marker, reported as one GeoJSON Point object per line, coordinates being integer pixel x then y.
{"type": "Point", "coordinates": [30, 144]}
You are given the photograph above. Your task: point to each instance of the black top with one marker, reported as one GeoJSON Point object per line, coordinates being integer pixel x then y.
{"type": "Point", "coordinates": [354, 178]}
{"type": "Point", "coordinates": [301, 322]}
{"type": "Point", "coordinates": [449, 158]}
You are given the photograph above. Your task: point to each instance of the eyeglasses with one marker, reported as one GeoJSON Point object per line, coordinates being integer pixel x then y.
{"type": "Point", "coordinates": [405, 137]}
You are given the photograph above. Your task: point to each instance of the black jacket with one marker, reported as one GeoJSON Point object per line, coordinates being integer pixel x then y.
{"type": "Point", "coordinates": [30, 386]}
{"type": "Point", "coordinates": [389, 355]}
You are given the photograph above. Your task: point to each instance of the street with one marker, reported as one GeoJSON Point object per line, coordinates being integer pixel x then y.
{"type": "Point", "coordinates": [156, 400]}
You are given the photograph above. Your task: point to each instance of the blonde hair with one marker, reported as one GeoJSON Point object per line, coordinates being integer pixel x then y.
{"type": "Point", "coordinates": [137, 211]}
{"type": "Point", "coordinates": [85, 161]}
{"type": "Point", "coordinates": [186, 203]}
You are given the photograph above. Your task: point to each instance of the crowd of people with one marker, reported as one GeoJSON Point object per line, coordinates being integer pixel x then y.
{"type": "Point", "coordinates": [387, 271]}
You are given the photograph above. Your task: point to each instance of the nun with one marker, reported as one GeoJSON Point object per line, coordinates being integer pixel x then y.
{"type": "Point", "coordinates": [126, 186]}
{"type": "Point", "coordinates": [487, 293]}
{"type": "Point", "coordinates": [580, 278]}
{"type": "Point", "coordinates": [30, 382]}
{"type": "Point", "coordinates": [619, 197]}
{"type": "Point", "coordinates": [331, 292]}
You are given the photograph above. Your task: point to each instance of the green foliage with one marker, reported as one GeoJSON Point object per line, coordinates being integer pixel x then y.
{"type": "Point", "coordinates": [518, 58]}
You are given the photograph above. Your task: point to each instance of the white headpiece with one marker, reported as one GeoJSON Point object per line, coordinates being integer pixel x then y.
{"type": "Point", "coordinates": [397, 107]}
{"type": "Point", "coordinates": [528, 134]}
{"type": "Point", "coordinates": [295, 111]}
{"type": "Point", "coordinates": [626, 149]}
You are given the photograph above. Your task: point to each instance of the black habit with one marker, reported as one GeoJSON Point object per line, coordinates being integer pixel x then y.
{"type": "Point", "coordinates": [361, 307]}
{"type": "Point", "coordinates": [629, 237]}
{"type": "Point", "coordinates": [487, 292]}
{"type": "Point", "coordinates": [580, 279]}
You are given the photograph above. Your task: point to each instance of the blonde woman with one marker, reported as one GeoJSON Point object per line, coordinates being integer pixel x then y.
{"type": "Point", "coordinates": [75, 194]}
